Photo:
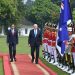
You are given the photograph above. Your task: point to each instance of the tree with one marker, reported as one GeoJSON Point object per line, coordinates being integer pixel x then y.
{"type": "Point", "coordinates": [20, 10]}
{"type": "Point", "coordinates": [56, 2]}
{"type": "Point", "coordinates": [7, 11]}
{"type": "Point", "coordinates": [29, 2]}
{"type": "Point", "coordinates": [72, 2]}
{"type": "Point", "coordinates": [43, 11]}
{"type": "Point", "coordinates": [73, 15]}
{"type": "Point", "coordinates": [11, 11]}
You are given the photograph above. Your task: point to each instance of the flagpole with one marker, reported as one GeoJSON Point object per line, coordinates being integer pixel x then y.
{"type": "Point", "coordinates": [72, 27]}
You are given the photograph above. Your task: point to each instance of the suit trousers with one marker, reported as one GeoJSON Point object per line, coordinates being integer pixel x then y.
{"type": "Point", "coordinates": [33, 49]}
{"type": "Point", "coordinates": [12, 50]}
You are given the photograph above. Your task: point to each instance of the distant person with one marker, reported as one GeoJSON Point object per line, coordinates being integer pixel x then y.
{"type": "Point", "coordinates": [34, 41]}
{"type": "Point", "coordinates": [12, 40]}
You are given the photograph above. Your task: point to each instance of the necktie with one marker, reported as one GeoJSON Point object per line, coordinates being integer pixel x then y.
{"type": "Point", "coordinates": [35, 33]}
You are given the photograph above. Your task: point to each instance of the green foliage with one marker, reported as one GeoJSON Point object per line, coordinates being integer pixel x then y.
{"type": "Point", "coordinates": [1, 67]}
{"type": "Point", "coordinates": [8, 10]}
{"type": "Point", "coordinates": [72, 2]}
{"type": "Point", "coordinates": [11, 11]}
{"type": "Point", "coordinates": [56, 2]}
{"type": "Point", "coordinates": [73, 15]}
{"type": "Point", "coordinates": [20, 10]}
{"type": "Point", "coordinates": [43, 11]}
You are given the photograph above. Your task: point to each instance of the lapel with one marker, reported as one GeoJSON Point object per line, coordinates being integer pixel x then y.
{"type": "Point", "coordinates": [37, 31]}
{"type": "Point", "coordinates": [33, 32]}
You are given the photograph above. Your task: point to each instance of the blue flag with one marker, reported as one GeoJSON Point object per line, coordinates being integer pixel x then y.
{"type": "Point", "coordinates": [65, 17]}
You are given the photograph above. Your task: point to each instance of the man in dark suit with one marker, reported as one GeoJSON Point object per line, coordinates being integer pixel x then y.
{"type": "Point", "coordinates": [34, 41]}
{"type": "Point", "coordinates": [12, 40]}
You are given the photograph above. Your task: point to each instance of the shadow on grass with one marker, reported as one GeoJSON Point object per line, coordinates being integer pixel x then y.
{"type": "Point", "coordinates": [54, 68]}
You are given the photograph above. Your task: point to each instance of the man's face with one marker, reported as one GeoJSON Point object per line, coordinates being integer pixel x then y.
{"type": "Point", "coordinates": [35, 26]}
{"type": "Point", "coordinates": [13, 26]}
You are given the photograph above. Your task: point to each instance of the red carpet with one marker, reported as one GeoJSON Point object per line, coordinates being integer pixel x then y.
{"type": "Point", "coordinates": [7, 67]}
{"type": "Point", "coordinates": [25, 66]}
{"type": "Point", "coordinates": [49, 70]}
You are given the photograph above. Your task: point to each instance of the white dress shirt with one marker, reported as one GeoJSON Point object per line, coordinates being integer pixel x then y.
{"type": "Point", "coordinates": [13, 31]}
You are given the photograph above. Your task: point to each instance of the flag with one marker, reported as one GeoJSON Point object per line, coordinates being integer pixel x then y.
{"type": "Point", "coordinates": [65, 18]}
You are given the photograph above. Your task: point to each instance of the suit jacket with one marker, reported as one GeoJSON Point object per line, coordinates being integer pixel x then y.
{"type": "Point", "coordinates": [12, 38]}
{"type": "Point", "coordinates": [32, 40]}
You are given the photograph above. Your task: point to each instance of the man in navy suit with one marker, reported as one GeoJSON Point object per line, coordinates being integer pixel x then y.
{"type": "Point", "coordinates": [12, 40]}
{"type": "Point", "coordinates": [34, 41]}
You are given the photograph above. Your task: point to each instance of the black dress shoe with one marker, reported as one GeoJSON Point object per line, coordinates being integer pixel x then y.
{"type": "Point", "coordinates": [11, 60]}
{"type": "Point", "coordinates": [32, 60]}
{"type": "Point", "coordinates": [36, 63]}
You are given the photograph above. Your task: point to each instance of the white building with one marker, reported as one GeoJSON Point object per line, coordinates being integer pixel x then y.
{"type": "Point", "coordinates": [24, 30]}
{"type": "Point", "coordinates": [25, 27]}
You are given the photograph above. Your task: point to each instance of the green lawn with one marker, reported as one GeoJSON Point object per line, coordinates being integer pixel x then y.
{"type": "Point", "coordinates": [54, 68]}
{"type": "Point", "coordinates": [1, 67]}
{"type": "Point", "coordinates": [23, 48]}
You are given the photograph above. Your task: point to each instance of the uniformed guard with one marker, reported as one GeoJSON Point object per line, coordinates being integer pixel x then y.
{"type": "Point", "coordinates": [54, 52]}
{"type": "Point", "coordinates": [45, 41]}
{"type": "Point", "coordinates": [50, 44]}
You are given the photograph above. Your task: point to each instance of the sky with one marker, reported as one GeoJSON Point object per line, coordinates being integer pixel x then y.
{"type": "Point", "coordinates": [26, 0]}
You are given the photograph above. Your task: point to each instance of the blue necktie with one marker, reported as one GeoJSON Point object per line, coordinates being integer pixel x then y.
{"type": "Point", "coordinates": [35, 33]}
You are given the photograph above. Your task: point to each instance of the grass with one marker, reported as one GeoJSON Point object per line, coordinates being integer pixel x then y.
{"type": "Point", "coordinates": [54, 68]}
{"type": "Point", "coordinates": [1, 67]}
{"type": "Point", "coordinates": [23, 48]}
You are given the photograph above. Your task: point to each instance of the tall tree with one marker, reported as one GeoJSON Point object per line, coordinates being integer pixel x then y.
{"type": "Point", "coordinates": [43, 11]}
{"type": "Point", "coordinates": [11, 11]}
{"type": "Point", "coordinates": [7, 11]}
{"type": "Point", "coordinates": [73, 15]}
{"type": "Point", "coordinates": [29, 2]}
